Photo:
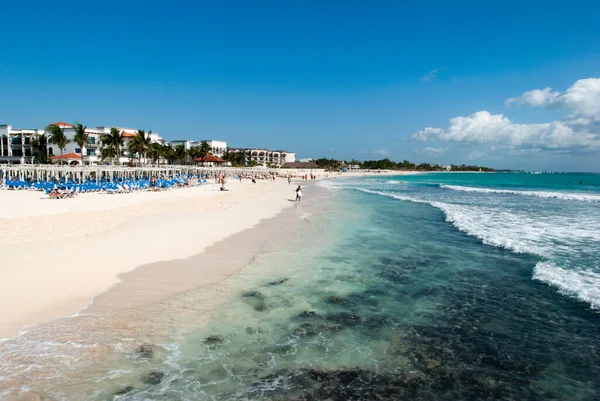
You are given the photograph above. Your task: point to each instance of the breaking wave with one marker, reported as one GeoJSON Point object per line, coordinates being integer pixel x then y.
{"type": "Point", "coordinates": [540, 194]}
{"type": "Point", "coordinates": [583, 285]}
{"type": "Point", "coordinates": [550, 239]}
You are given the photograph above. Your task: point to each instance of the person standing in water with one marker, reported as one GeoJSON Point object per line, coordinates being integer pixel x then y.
{"type": "Point", "coordinates": [298, 193]}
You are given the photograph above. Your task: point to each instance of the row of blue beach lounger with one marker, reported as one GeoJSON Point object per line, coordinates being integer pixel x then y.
{"type": "Point", "coordinates": [103, 186]}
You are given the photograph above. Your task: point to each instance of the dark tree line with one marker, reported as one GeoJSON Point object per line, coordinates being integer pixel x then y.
{"type": "Point", "coordinates": [387, 164]}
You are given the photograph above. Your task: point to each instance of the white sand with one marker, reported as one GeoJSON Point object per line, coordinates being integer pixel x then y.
{"type": "Point", "coordinates": [57, 254]}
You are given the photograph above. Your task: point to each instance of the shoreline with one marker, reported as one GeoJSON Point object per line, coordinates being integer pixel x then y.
{"type": "Point", "coordinates": [58, 275]}
{"type": "Point", "coordinates": [155, 303]}
{"type": "Point", "coordinates": [58, 261]}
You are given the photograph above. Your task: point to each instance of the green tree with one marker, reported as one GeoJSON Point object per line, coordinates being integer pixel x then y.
{"type": "Point", "coordinates": [39, 146]}
{"type": "Point", "coordinates": [80, 138]}
{"type": "Point", "coordinates": [193, 153]}
{"type": "Point", "coordinates": [108, 152]}
{"type": "Point", "coordinates": [180, 153]}
{"type": "Point", "coordinates": [140, 144]}
{"type": "Point", "coordinates": [58, 138]}
{"type": "Point", "coordinates": [204, 149]}
{"type": "Point", "coordinates": [169, 153]}
{"type": "Point", "coordinates": [155, 152]}
{"type": "Point", "coordinates": [112, 143]}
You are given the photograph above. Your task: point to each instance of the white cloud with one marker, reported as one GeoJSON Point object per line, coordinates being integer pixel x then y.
{"type": "Point", "coordinates": [381, 152]}
{"type": "Point", "coordinates": [431, 75]}
{"type": "Point", "coordinates": [496, 129]}
{"type": "Point", "coordinates": [430, 151]}
{"type": "Point", "coordinates": [579, 130]}
{"type": "Point", "coordinates": [536, 97]}
{"type": "Point", "coordinates": [583, 98]}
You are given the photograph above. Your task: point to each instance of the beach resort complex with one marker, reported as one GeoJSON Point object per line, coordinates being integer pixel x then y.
{"type": "Point", "coordinates": [300, 201]}
{"type": "Point", "coordinates": [21, 146]}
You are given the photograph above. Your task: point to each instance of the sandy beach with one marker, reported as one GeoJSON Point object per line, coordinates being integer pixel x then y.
{"type": "Point", "coordinates": [58, 254]}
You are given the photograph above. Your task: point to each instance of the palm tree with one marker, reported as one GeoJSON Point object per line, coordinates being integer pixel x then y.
{"type": "Point", "coordinates": [39, 147]}
{"type": "Point", "coordinates": [180, 153]}
{"type": "Point", "coordinates": [80, 138]}
{"type": "Point", "coordinates": [155, 152]}
{"type": "Point", "coordinates": [113, 141]}
{"type": "Point", "coordinates": [58, 138]}
{"type": "Point", "coordinates": [140, 144]}
{"type": "Point", "coordinates": [170, 153]}
{"type": "Point", "coordinates": [167, 153]}
{"type": "Point", "coordinates": [204, 149]}
{"type": "Point", "coordinates": [108, 152]}
{"type": "Point", "coordinates": [195, 153]}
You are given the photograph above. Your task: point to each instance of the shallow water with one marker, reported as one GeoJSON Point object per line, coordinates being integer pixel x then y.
{"type": "Point", "coordinates": [391, 289]}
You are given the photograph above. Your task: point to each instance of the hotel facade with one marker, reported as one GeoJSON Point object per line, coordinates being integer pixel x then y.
{"type": "Point", "coordinates": [264, 156]}
{"type": "Point", "coordinates": [217, 148]}
{"type": "Point", "coordinates": [16, 145]}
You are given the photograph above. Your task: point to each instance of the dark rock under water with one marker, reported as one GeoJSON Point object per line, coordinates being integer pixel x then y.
{"type": "Point", "coordinates": [257, 299]}
{"type": "Point", "coordinates": [313, 329]}
{"type": "Point", "coordinates": [308, 314]}
{"type": "Point", "coordinates": [214, 339]}
{"type": "Point", "coordinates": [144, 352]}
{"type": "Point", "coordinates": [362, 385]}
{"type": "Point", "coordinates": [255, 295]}
{"type": "Point", "coordinates": [124, 390]}
{"type": "Point", "coordinates": [344, 318]}
{"type": "Point", "coordinates": [153, 378]}
{"type": "Point", "coordinates": [277, 282]}
{"type": "Point", "coordinates": [336, 300]}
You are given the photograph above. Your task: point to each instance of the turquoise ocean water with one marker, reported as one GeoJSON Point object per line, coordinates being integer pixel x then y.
{"type": "Point", "coordinates": [422, 287]}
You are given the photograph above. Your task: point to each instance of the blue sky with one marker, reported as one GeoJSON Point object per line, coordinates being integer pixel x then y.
{"type": "Point", "coordinates": [351, 79]}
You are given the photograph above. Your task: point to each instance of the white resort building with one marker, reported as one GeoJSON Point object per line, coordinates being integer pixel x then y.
{"type": "Point", "coordinates": [217, 148]}
{"type": "Point", "coordinates": [16, 145]}
{"type": "Point", "coordinates": [265, 156]}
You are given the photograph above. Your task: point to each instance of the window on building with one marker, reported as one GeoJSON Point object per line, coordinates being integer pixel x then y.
{"type": "Point", "coordinates": [91, 140]}
{"type": "Point", "coordinates": [78, 150]}
{"type": "Point", "coordinates": [50, 151]}
{"type": "Point", "coordinates": [17, 152]}
{"type": "Point", "coordinates": [90, 152]}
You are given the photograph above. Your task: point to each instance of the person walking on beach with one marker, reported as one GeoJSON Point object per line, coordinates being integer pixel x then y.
{"type": "Point", "coordinates": [289, 180]}
{"type": "Point", "coordinates": [298, 193]}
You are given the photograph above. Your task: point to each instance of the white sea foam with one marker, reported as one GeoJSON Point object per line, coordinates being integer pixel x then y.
{"type": "Point", "coordinates": [581, 284]}
{"type": "Point", "coordinates": [550, 238]}
{"type": "Point", "coordinates": [518, 232]}
{"type": "Point", "coordinates": [540, 194]}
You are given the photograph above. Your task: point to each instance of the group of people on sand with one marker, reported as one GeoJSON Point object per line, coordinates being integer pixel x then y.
{"type": "Point", "coordinates": [58, 193]}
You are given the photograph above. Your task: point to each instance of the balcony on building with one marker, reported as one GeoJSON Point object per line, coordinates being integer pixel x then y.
{"type": "Point", "coordinates": [93, 142]}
